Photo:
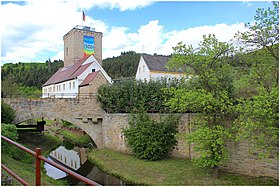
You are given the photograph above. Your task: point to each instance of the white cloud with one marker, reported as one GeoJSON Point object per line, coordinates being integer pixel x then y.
{"type": "Point", "coordinates": [152, 38]}
{"type": "Point", "coordinates": [37, 28]}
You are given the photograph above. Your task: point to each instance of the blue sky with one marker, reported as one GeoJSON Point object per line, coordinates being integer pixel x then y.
{"type": "Point", "coordinates": [33, 30]}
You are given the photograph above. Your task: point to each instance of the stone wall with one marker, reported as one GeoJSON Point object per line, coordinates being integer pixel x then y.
{"type": "Point", "coordinates": [106, 131]}
{"type": "Point", "coordinates": [84, 112]}
{"type": "Point", "coordinates": [74, 45]}
{"type": "Point", "coordinates": [94, 84]}
{"type": "Point", "coordinates": [240, 160]}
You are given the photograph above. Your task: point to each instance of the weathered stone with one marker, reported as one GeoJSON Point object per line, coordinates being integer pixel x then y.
{"type": "Point", "coordinates": [106, 131]}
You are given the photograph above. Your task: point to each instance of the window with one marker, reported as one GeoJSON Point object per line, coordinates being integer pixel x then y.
{"type": "Point", "coordinates": [75, 164]}
{"type": "Point", "coordinates": [139, 69]}
{"type": "Point", "coordinates": [143, 68]}
{"type": "Point", "coordinates": [63, 87]}
{"type": "Point", "coordinates": [69, 85]}
{"type": "Point", "coordinates": [66, 51]}
{"type": "Point", "coordinates": [74, 85]}
{"type": "Point", "coordinates": [93, 70]}
{"type": "Point", "coordinates": [53, 88]}
{"type": "Point", "coordinates": [59, 87]}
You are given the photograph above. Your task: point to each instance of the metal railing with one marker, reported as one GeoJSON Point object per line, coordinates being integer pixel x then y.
{"type": "Point", "coordinates": [39, 157]}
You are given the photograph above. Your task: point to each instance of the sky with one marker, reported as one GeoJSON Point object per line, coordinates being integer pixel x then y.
{"type": "Point", "coordinates": [32, 31]}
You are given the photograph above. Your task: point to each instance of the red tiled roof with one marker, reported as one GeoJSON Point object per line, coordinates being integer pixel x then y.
{"type": "Point", "coordinates": [68, 73]}
{"type": "Point", "coordinates": [89, 78]}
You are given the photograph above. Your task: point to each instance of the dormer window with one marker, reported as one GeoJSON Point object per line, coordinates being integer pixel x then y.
{"type": "Point", "coordinates": [93, 70]}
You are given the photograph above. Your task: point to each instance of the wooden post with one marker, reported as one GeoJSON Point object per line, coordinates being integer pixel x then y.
{"type": "Point", "coordinates": [38, 167]}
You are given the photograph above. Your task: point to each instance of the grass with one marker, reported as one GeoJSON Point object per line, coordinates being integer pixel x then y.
{"type": "Point", "coordinates": [169, 171]}
{"type": "Point", "coordinates": [50, 142]}
{"type": "Point", "coordinates": [74, 138]}
{"type": "Point", "coordinates": [27, 170]}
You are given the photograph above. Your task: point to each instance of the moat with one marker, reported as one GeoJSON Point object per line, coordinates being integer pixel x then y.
{"type": "Point", "coordinates": [76, 160]}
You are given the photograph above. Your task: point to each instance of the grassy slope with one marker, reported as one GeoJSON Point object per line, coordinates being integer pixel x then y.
{"type": "Point", "coordinates": [27, 171]}
{"type": "Point", "coordinates": [170, 171]}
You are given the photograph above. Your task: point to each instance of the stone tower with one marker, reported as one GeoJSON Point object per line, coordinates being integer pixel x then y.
{"type": "Point", "coordinates": [82, 41]}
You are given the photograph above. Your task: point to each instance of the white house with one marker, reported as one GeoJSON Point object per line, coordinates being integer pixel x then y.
{"type": "Point", "coordinates": [154, 67]}
{"type": "Point", "coordinates": [69, 158]}
{"type": "Point", "coordinates": [67, 81]}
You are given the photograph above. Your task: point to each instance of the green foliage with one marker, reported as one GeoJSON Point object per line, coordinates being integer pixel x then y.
{"type": "Point", "coordinates": [16, 78]}
{"type": "Point", "coordinates": [258, 122]}
{"type": "Point", "coordinates": [210, 144]}
{"type": "Point", "coordinates": [149, 139]}
{"type": "Point", "coordinates": [124, 65]}
{"type": "Point", "coordinates": [7, 113]}
{"type": "Point", "coordinates": [76, 139]}
{"type": "Point", "coordinates": [130, 95]}
{"type": "Point", "coordinates": [260, 51]}
{"type": "Point", "coordinates": [68, 124]}
{"type": "Point", "coordinates": [258, 115]}
{"type": "Point", "coordinates": [209, 92]}
{"type": "Point", "coordinates": [10, 131]}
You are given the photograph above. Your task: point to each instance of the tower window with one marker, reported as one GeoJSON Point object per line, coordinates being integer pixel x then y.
{"type": "Point", "coordinates": [66, 51]}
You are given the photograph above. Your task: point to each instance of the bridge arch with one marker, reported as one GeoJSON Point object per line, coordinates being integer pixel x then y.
{"type": "Point", "coordinates": [85, 113]}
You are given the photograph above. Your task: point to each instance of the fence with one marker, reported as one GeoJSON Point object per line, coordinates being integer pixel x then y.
{"type": "Point", "coordinates": [39, 157]}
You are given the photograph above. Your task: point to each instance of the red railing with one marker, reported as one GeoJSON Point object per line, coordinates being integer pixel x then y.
{"type": "Point", "coordinates": [39, 157]}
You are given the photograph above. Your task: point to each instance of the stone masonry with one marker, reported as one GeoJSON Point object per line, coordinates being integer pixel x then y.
{"type": "Point", "coordinates": [106, 131]}
{"type": "Point", "coordinates": [74, 46]}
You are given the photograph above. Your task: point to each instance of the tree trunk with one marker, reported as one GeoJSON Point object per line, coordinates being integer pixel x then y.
{"type": "Point", "coordinates": [216, 172]}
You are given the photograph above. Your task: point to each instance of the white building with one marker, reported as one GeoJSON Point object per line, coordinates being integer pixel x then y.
{"type": "Point", "coordinates": [66, 82]}
{"type": "Point", "coordinates": [69, 158]}
{"type": "Point", "coordinates": [82, 73]}
{"type": "Point", "coordinates": [154, 67]}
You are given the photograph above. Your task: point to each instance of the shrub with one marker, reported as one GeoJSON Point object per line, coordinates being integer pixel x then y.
{"type": "Point", "coordinates": [7, 113]}
{"type": "Point", "coordinates": [149, 139]}
{"type": "Point", "coordinates": [133, 96]}
{"type": "Point", "coordinates": [10, 131]}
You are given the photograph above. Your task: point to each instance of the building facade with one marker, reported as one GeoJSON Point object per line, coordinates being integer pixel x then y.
{"type": "Point", "coordinates": [82, 66]}
{"type": "Point", "coordinates": [153, 67]}
{"type": "Point", "coordinates": [82, 41]}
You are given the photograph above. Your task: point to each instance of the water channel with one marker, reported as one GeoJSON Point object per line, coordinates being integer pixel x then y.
{"type": "Point", "coordinates": [76, 160]}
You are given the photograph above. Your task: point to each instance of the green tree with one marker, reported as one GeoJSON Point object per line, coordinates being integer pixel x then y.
{"type": "Point", "coordinates": [208, 92]}
{"type": "Point", "coordinates": [257, 115]}
{"type": "Point", "coordinates": [9, 87]}
{"type": "Point", "coordinates": [149, 139]}
{"type": "Point", "coordinates": [7, 113]}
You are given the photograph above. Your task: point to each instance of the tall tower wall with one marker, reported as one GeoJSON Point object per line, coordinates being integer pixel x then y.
{"type": "Point", "coordinates": [75, 44]}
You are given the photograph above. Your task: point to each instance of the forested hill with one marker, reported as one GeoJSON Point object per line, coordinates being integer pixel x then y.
{"type": "Point", "coordinates": [124, 65]}
{"type": "Point", "coordinates": [28, 77]}
{"type": "Point", "coordinates": [30, 74]}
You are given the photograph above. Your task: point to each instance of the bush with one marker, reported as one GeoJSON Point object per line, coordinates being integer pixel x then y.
{"type": "Point", "coordinates": [10, 131]}
{"type": "Point", "coordinates": [133, 96]}
{"type": "Point", "coordinates": [149, 139]}
{"type": "Point", "coordinates": [7, 113]}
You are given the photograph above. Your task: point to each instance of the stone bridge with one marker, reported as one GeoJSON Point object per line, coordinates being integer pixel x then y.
{"type": "Point", "coordinates": [84, 112]}
{"type": "Point", "coordinates": [106, 130]}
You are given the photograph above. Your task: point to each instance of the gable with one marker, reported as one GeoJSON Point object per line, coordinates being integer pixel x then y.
{"type": "Point", "coordinates": [76, 70]}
